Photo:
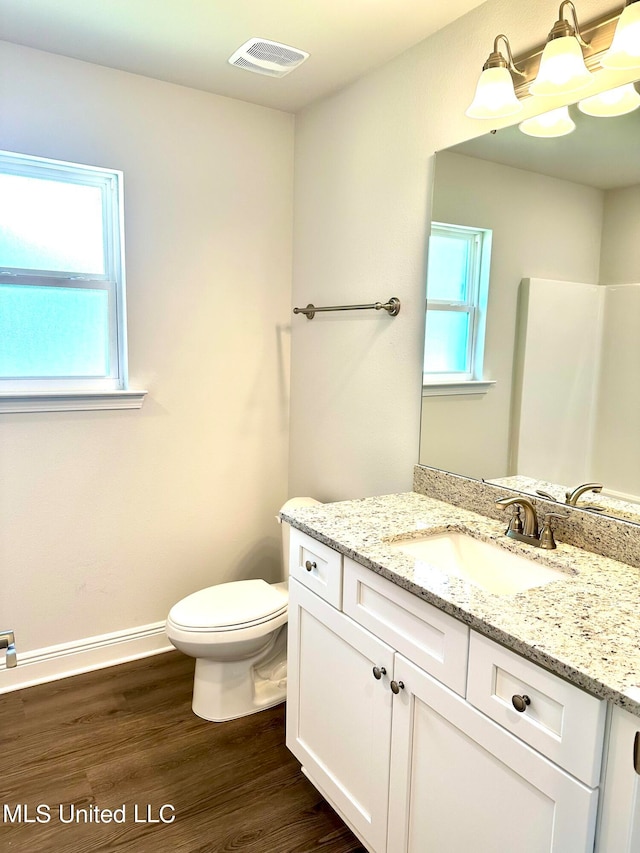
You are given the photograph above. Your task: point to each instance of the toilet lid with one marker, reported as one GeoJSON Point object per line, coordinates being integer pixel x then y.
{"type": "Point", "coordinates": [230, 605]}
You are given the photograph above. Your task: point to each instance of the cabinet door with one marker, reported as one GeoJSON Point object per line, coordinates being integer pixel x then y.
{"type": "Point", "coordinates": [338, 713]}
{"type": "Point", "coordinates": [620, 817]}
{"type": "Point", "coordinates": [461, 782]}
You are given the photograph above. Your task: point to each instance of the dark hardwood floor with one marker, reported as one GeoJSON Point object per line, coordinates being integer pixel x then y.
{"type": "Point", "coordinates": [125, 739]}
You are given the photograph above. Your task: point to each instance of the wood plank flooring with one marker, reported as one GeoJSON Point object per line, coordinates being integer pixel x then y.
{"type": "Point", "coordinates": [126, 738]}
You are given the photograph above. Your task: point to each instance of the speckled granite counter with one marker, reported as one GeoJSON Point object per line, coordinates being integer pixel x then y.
{"type": "Point", "coordinates": [584, 627]}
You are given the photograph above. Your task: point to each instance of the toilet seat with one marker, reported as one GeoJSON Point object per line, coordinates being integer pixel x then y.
{"type": "Point", "coordinates": [230, 607]}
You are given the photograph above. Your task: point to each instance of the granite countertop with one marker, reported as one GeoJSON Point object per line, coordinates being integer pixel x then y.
{"type": "Point", "coordinates": [583, 626]}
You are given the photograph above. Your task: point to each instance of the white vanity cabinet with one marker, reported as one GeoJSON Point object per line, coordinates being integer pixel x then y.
{"type": "Point", "coordinates": [619, 830]}
{"type": "Point", "coordinates": [461, 782]}
{"type": "Point", "coordinates": [413, 761]}
{"type": "Point", "coordinates": [339, 713]}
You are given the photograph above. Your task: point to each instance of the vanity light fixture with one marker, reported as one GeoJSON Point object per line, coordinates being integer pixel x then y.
{"type": "Point", "coordinates": [495, 96]}
{"type": "Point", "coordinates": [553, 123]}
{"type": "Point", "coordinates": [614, 102]}
{"type": "Point", "coordinates": [566, 63]}
{"type": "Point", "coordinates": [625, 48]}
{"type": "Point", "coordinates": [562, 67]}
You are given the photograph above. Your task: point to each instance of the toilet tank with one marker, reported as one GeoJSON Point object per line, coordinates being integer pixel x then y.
{"type": "Point", "coordinates": [292, 503]}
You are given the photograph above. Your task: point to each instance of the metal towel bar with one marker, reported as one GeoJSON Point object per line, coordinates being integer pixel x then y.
{"type": "Point", "coordinates": [392, 307]}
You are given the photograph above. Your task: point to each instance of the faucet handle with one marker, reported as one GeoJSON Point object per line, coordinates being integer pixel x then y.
{"type": "Point", "coordinates": [515, 528]}
{"type": "Point", "coordinates": [515, 522]}
{"type": "Point", "coordinates": [547, 540]}
{"type": "Point", "coordinates": [546, 495]}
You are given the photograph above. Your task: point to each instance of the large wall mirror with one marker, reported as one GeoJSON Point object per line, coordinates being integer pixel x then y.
{"type": "Point", "coordinates": [562, 333]}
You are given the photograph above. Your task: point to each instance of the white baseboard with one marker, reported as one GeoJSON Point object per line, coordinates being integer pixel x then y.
{"type": "Point", "coordinates": [54, 662]}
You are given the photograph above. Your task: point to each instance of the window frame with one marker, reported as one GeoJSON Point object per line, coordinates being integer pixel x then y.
{"type": "Point", "coordinates": [471, 379]}
{"type": "Point", "coordinates": [110, 182]}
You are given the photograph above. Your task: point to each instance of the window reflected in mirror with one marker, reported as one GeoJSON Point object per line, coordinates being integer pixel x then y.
{"type": "Point", "coordinates": [458, 274]}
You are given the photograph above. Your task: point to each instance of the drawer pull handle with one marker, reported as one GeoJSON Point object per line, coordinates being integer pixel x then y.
{"type": "Point", "coordinates": [636, 753]}
{"type": "Point", "coordinates": [520, 702]}
{"type": "Point", "coordinates": [397, 686]}
{"type": "Point", "coordinates": [378, 672]}
{"type": "Point", "coordinates": [309, 566]}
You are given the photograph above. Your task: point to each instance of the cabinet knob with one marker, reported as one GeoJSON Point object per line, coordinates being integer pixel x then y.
{"type": "Point", "coordinates": [636, 753]}
{"type": "Point", "coordinates": [309, 566]}
{"type": "Point", "coordinates": [520, 702]}
{"type": "Point", "coordinates": [397, 686]}
{"type": "Point", "coordinates": [378, 672]}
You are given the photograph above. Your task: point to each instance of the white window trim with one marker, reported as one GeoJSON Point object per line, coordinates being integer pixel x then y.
{"type": "Point", "coordinates": [469, 382]}
{"type": "Point", "coordinates": [67, 393]}
{"type": "Point", "coordinates": [70, 401]}
{"type": "Point", "coordinates": [457, 386]}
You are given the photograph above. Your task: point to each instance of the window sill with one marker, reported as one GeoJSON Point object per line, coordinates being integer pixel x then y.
{"type": "Point", "coordinates": [451, 389]}
{"type": "Point", "coordinates": [69, 401]}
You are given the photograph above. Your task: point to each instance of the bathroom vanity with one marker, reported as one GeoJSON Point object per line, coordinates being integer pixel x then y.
{"type": "Point", "coordinates": [435, 714]}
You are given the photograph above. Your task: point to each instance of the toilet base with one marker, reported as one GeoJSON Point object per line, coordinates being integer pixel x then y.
{"type": "Point", "coordinates": [226, 690]}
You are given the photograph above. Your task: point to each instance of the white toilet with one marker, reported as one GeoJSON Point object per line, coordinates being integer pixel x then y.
{"type": "Point", "coordinates": [238, 634]}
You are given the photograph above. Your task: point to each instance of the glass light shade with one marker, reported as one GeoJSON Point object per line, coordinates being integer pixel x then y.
{"type": "Point", "coordinates": [562, 68]}
{"type": "Point", "coordinates": [614, 102]}
{"type": "Point", "coordinates": [625, 47]}
{"type": "Point", "coordinates": [554, 123]}
{"type": "Point", "coordinates": [495, 96]}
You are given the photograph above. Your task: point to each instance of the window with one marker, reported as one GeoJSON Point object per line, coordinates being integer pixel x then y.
{"type": "Point", "coordinates": [62, 323]}
{"type": "Point", "coordinates": [457, 291]}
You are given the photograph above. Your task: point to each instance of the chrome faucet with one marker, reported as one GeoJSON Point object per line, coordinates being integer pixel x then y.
{"type": "Point", "coordinates": [528, 532]}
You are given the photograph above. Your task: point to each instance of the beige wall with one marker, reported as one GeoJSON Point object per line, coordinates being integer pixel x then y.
{"type": "Point", "coordinates": [542, 227]}
{"type": "Point", "coordinates": [107, 518]}
{"type": "Point", "coordinates": [364, 164]}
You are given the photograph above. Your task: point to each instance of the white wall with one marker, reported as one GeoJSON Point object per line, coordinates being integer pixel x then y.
{"type": "Point", "coordinates": [616, 461]}
{"type": "Point", "coordinates": [620, 262]}
{"type": "Point", "coordinates": [560, 342]}
{"type": "Point", "coordinates": [542, 227]}
{"type": "Point", "coordinates": [107, 518]}
{"type": "Point", "coordinates": [364, 162]}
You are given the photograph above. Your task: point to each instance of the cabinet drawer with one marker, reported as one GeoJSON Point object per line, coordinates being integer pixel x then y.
{"type": "Point", "coordinates": [316, 566]}
{"type": "Point", "coordinates": [435, 641]}
{"type": "Point", "coordinates": [561, 721]}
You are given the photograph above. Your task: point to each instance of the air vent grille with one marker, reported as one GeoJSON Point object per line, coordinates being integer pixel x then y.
{"type": "Point", "coordinates": [267, 57]}
{"type": "Point", "coordinates": [241, 62]}
{"type": "Point", "coordinates": [275, 53]}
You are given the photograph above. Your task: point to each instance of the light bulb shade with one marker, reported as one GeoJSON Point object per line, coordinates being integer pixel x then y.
{"type": "Point", "coordinates": [614, 102]}
{"type": "Point", "coordinates": [554, 123]}
{"type": "Point", "coordinates": [625, 47]}
{"type": "Point", "coordinates": [495, 96]}
{"type": "Point", "coordinates": [562, 68]}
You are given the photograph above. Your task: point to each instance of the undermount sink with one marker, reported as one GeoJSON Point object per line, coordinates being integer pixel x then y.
{"type": "Point", "coordinates": [481, 563]}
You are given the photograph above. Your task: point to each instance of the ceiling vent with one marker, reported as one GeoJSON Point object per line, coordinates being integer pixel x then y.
{"type": "Point", "coordinates": [267, 57]}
